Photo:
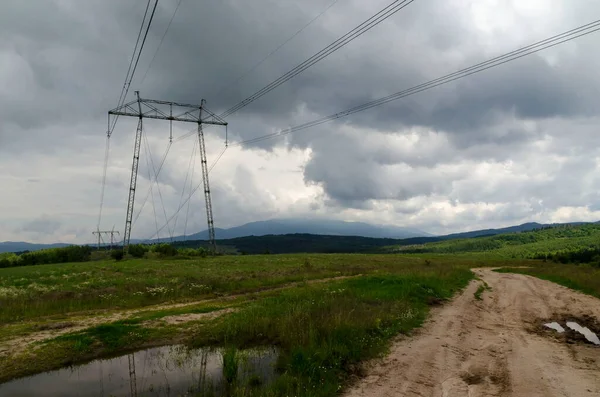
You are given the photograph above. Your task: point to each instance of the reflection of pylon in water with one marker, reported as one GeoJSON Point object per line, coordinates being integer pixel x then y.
{"type": "Point", "coordinates": [132, 376]}
{"type": "Point", "coordinates": [202, 376]}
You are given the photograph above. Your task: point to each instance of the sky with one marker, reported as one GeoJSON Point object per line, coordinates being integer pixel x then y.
{"type": "Point", "coordinates": [513, 144]}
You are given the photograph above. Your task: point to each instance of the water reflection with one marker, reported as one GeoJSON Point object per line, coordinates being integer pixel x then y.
{"type": "Point", "coordinates": [555, 326]}
{"type": "Point", "coordinates": [585, 331]}
{"type": "Point", "coordinates": [163, 371]}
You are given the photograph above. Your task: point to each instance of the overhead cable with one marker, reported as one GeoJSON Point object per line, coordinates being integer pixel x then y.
{"type": "Point", "coordinates": [480, 67]}
{"type": "Point", "coordinates": [137, 60]}
{"type": "Point", "coordinates": [364, 27]}
{"type": "Point", "coordinates": [122, 96]}
{"type": "Point", "coordinates": [499, 60]}
{"type": "Point", "coordinates": [270, 54]}
{"type": "Point", "coordinates": [161, 42]}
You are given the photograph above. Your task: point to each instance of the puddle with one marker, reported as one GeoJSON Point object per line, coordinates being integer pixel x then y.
{"type": "Point", "coordinates": [589, 335]}
{"type": "Point", "coordinates": [162, 371]}
{"type": "Point", "coordinates": [555, 326]}
{"type": "Point", "coordinates": [583, 329]}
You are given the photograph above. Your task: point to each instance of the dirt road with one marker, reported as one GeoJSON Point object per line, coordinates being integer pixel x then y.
{"type": "Point", "coordinates": [492, 347]}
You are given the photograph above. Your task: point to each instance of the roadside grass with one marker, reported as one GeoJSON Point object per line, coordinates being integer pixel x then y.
{"type": "Point", "coordinates": [479, 292]}
{"type": "Point", "coordinates": [481, 289]}
{"type": "Point", "coordinates": [325, 331]}
{"type": "Point", "coordinates": [34, 292]}
{"type": "Point", "coordinates": [584, 278]}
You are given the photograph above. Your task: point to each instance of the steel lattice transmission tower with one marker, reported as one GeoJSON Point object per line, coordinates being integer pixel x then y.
{"type": "Point", "coordinates": [163, 110]}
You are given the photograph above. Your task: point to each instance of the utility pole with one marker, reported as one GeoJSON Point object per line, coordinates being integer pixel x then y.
{"type": "Point", "coordinates": [163, 110]}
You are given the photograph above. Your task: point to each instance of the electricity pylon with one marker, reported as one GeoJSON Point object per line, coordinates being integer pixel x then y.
{"type": "Point", "coordinates": [163, 110]}
{"type": "Point", "coordinates": [112, 233]}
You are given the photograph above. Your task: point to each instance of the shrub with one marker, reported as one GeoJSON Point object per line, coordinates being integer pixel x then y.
{"type": "Point", "coordinates": [137, 250]}
{"type": "Point", "coordinates": [73, 253]}
{"type": "Point", "coordinates": [117, 254]}
{"type": "Point", "coordinates": [164, 250]}
{"type": "Point", "coordinates": [193, 252]}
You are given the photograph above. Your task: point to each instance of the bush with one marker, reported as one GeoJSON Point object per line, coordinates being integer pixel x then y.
{"type": "Point", "coordinates": [8, 260]}
{"type": "Point", "coordinates": [117, 254]}
{"type": "Point", "coordinates": [137, 250]}
{"type": "Point", "coordinates": [73, 253]}
{"type": "Point", "coordinates": [193, 252]}
{"type": "Point", "coordinates": [164, 250]}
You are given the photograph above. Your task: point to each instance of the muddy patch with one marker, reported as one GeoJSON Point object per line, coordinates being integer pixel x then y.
{"type": "Point", "coordinates": [54, 326]}
{"type": "Point", "coordinates": [187, 317]}
{"type": "Point", "coordinates": [571, 329]}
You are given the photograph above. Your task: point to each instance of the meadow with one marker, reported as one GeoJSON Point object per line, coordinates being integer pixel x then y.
{"type": "Point", "coordinates": [582, 277]}
{"type": "Point", "coordinates": [326, 313]}
{"type": "Point", "coordinates": [528, 244]}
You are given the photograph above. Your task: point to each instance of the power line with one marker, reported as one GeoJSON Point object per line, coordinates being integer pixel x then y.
{"type": "Point", "coordinates": [103, 188]}
{"type": "Point", "coordinates": [187, 212]}
{"type": "Point", "coordinates": [217, 159]}
{"type": "Point", "coordinates": [151, 186]}
{"type": "Point", "coordinates": [152, 181]}
{"type": "Point", "coordinates": [161, 42]}
{"type": "Point", "coordinates": [497, 61]}
{"type": "Point", "coordinates": [364, 27]}
{"type": "Point", "coordinates": [122, 96]}
{"type": "Point", "coordinates": [157, 184]}
{"type": "Point", "coordinates": [187, 200]}
{"type": "Point", "coordinates": [143, 42]}
{"type": "Point", "coordinates": [270, 54]}
{"type": "Point", "coordinates": [185, 183]}
{"type": "Point", "coordinates": [127, 84]}
{"type": "Point", "coordinates": [137, 42]}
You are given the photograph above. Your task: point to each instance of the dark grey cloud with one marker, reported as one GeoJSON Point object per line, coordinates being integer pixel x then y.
{"type": "Point", "coordinates": [513, 143]}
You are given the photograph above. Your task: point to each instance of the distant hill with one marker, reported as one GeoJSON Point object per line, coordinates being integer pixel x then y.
{"type": "Point", "coordinates": [19, 246]}
{"type": "Point", "coordinates": [400, 236]}
{"type": "Point", "coordinates": [296, 243]}
{"type": "Point", "coordinates": [310, 226]}
{"type": "Point", "coordinates": [525, 227]}
{"type": "Point", "coordinates": [543, 240]}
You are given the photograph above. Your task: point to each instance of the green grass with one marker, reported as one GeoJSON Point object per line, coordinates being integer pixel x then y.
{"type": "Point", "coordinates": [59, 291]}
{"type": "Point", "coordinates": [516, 245]}
{"type": "Point", "coordinates": [582, 278]}
{"type": "Point", "coordinates": [324, 331]}
{"type": "Point", "coordinates": [33, 291]}
{"type": "Point", "coordinates": [479, 291]}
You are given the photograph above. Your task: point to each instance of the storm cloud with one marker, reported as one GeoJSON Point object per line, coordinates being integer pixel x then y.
{"type": "Point", "coordinates": [512, 144]}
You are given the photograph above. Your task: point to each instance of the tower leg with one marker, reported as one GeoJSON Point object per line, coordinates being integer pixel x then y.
{"type": "Point", "coordinates": [132, 185]}
{"type": "Point", "coordinates": [209, 213]}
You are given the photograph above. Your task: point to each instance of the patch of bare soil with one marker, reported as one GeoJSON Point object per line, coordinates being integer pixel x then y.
{"type": "Point", "coordinates": [186, 318]}
{"type": "Point", "coordinates": [487, 348]}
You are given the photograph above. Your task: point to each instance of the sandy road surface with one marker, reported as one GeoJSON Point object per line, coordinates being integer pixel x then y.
{"type": "Point", "coordinates": [487, 348]}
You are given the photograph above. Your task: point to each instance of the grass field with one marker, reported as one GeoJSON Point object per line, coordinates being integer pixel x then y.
{"type": "Point", "coordinates": [325, 313]}
{"type": "Point", "coordinates": [32, 292]}
{"type": "Point", "coordinates": [582, 278]}
{"type": "Point", "coordinates": [323, 329]}
{"type": "Point", "coordinates": [516, 245]}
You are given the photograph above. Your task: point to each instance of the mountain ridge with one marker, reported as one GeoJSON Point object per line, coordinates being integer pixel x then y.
{"type": "Point", "coordinates": [291, 226]}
